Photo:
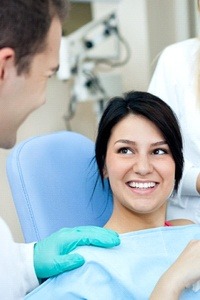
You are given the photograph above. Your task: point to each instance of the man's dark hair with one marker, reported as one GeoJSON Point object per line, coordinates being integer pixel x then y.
{"type": "Point", "coordinates": [24, 25]}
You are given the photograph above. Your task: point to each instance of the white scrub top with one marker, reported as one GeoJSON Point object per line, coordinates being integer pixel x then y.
{"type": "Point", "coordinates": [174, 81]}
{"type": "Point", "coordinates": [17, 275]}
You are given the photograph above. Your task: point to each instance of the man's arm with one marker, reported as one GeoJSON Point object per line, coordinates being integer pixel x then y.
{"type": "Point", "coordinates": [52, 255]}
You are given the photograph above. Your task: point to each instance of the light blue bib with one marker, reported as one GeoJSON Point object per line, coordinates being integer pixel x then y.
{"type": "Point", "coordinates": [129, 271]}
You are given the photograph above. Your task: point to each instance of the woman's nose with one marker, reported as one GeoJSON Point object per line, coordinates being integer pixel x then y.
{"type": "Point", "coordinates": [142, 165]}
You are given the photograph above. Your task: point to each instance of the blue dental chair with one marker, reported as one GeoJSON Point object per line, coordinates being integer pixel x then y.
{"type": "Point", "coordinates": [55, 183]}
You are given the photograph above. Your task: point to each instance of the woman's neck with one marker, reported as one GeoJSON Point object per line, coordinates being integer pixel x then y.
{"type": "Point", "coordinates": [128, 221]}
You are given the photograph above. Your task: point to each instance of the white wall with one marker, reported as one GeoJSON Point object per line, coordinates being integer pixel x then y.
{"type": "Point", "coordinates": [148, 26]}
{"type": "Point", "coordinates": [132, 16]}
{"type": "Point", "coordinates": [168, 22]}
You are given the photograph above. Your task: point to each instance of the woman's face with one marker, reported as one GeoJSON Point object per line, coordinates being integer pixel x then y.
{"type": "Point", "coordinates": [139, 165]}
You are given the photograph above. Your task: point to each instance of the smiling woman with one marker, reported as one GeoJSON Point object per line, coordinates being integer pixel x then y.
{"type": "Point", "coordinates": [141, 157]}
{"type": "Point", "coordinates": [139, 151]}
{"type": "Point", "coordinates": [141, 172]}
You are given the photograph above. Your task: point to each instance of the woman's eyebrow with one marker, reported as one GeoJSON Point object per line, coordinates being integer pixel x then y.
{"type": "Point", "coordinates": [159, 143]}
{"type": "Point", "coordinates": [125, 142]}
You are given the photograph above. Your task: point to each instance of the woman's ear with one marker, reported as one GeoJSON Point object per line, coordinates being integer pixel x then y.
{"type": "Point", "coordinates": [105, 173]}
{"type": "Point", "coordinates": [7, 57]}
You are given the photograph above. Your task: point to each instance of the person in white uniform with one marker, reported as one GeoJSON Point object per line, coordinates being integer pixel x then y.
{"type": "Point", "coordinates": [30, 33]}
{"type": "Point", "coordinates": [176, 80]}
{"type": "Point", "coordinates": [139, 149]}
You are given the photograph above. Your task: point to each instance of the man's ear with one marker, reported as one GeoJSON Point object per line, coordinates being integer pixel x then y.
{"type": "Point", "coordinates": [7, 56]}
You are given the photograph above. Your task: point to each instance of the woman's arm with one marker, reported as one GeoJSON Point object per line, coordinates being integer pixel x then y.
{"type": "Point", "coordinates": [184, 272]}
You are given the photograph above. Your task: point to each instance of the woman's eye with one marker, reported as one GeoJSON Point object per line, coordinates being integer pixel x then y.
{"type": "Point", "coordinates": [124, 150]}
{"type": "Point", "coordinates": [160, 151]}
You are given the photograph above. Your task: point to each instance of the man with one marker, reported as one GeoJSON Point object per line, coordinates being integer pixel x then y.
{"type": "Point", "coordinates": [30, 32]}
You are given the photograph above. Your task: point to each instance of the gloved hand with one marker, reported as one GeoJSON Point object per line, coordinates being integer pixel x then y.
{"type": "Point", "coordinates": [51, 255]}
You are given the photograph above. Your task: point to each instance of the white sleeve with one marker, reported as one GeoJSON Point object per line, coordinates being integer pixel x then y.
{"type": "Point", "coordinates": [17, 275]}
{"type": "Point", "coordinates": [30, 280]}
{"type": "Point", "coordinates": [188, 182]}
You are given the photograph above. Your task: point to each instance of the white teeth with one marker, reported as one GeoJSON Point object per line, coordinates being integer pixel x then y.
{"type": "Point", "coordinates": [140, 185]}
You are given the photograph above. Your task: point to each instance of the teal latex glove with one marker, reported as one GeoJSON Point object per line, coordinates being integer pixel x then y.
{"type": "Point", "coordinates": [51, 255]}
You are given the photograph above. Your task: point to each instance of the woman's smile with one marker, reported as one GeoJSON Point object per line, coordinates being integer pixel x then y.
{"type": "Point", "coordinates": [142, 187]}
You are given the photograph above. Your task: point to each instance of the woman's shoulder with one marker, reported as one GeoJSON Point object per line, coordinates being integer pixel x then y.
{"type": "Point", "coordinates": [180, 222]}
